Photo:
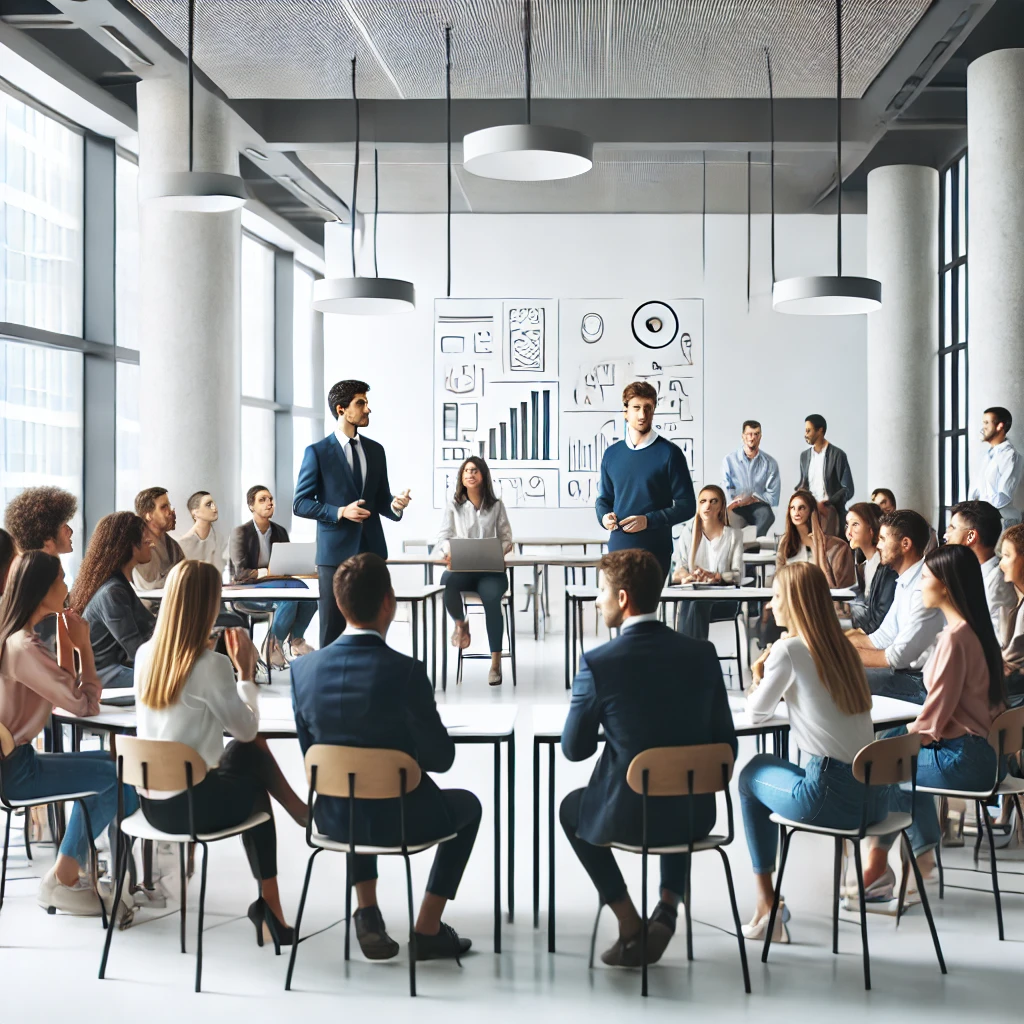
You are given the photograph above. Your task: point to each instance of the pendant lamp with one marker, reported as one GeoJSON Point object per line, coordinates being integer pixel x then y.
{"type": "Point", "coordinates": [840, 295]}
{"type": "Point", "coordinates": [192, 191]}
{"type": "Point", "coordinates": [527, 152]}
{"type": "Point", "coordinates": [362, 296]}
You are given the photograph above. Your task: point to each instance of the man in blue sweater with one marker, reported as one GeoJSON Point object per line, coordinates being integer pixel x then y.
{"type": "Point", "coordinates": [645, 482]}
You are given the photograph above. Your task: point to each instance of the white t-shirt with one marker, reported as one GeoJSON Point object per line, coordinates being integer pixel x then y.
{"type": "Point", "coordinates": [816, 475]}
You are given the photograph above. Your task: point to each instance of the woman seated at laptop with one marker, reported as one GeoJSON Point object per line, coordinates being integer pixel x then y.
{"type": "Point", "coordinates": [475, 513]}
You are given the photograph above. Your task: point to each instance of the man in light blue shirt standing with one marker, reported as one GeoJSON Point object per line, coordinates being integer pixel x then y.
{"type": "Point", "coordinates": [1002, 467]}
{"type": "Point", "coordinates": [750, 478]}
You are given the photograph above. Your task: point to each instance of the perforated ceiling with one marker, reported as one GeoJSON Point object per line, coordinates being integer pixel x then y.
{"type": "Point", "coordinates": [300, 49]}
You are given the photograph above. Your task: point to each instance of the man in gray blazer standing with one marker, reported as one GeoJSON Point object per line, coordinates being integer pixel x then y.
{"type": "Point", "coordinates": [825, 472]}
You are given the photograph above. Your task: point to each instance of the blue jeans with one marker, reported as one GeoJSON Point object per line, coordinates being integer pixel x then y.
{"type": "Point", "coordinates": [290, 617]}
{"type": "Point", "coordinates": [759, 515]}
{"type": "Point", "coordinates": [824, 793]}
{"type": "Point", "coordinates": [491, 586]}
{"type": "Point", "coordinates": [902, 684]}
{"type": "Point", "coordinates": [28, 774]}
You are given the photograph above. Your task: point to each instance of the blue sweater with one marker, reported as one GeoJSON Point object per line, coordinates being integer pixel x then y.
{"type": "Point", "coordinates": [652, 481]}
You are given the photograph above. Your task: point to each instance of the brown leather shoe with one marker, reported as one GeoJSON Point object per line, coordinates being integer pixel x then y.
{"type": "Point", "coordinates": [372, 934]}
{"type": "Point", "coordinates": [661, 926]}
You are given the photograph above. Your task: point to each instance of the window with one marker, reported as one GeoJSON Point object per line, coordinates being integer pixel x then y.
{"type": "Point", "coordinates": [302, 341]}
{"type": "Point", "coordinates": [126, 254]}
{"type": "Point", "coordinates": [953, 329]}
{"type": "Point", "coordinates": [258, 452]}
{"type": "Point", "coordinates": [40, 219]}
{"type": "Point", "coordinates": [129, 464]}
{"type": "Point", "coordinates": [305, 430]}
{"type": "Point", "coordinates": [257, 319]}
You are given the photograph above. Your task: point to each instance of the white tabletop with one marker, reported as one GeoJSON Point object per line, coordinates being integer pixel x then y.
{"type": "Point", "coordinates": [514, 561]}
{"type": "Point", "coordinates": [311, 592]}
{"type": "Point", "coordinates": [689, 593]}
{"type": "Point", "coordinates": [759, 557]}
{"type": "Point", "coordinates": [559, 542]}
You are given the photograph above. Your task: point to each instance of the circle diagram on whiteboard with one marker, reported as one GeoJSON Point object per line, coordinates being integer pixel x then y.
{"type": "Point", "coordinates": [655, 325]}
{"type": "Point", "coordinates": [592, 328]}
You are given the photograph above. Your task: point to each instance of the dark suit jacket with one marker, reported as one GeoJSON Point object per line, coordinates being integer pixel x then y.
{"type": "Point", "coordinates": [325, 484]}
{"type": "Point", "coordinates": [244, 551]}
{"type": "Point", "coordinates": [359, 692]}
{"type": "Point", "coordinates": [119, 624]}
{"type": "Point", "coordinates": [649, 687]}
{"type": "Point", "coordinates": [838, 478]}
{"type": "Point", "coordinates": [868, 610]}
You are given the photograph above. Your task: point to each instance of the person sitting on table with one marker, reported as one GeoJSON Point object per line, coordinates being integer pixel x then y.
{"type": "Point", "coordinates": [202, 542]}
{"type": "Point", "coordinates": [895, 654]}
{"type": "Point", "coordinates": [886, 501]}
{"type": "Point", "coordinates": [709, 550]}
{"type": "Point", "coordinates": [39, 519]}
{"type": "Point", "coordinates": [1011, 562]}
{"type": "Point", "coordinates": [965, 693]}
{"type": "Point", "coordinates": [822, 681]}
{"type": "Point", "coordinates": [119, 624]}
{"type": "Point", "coordinates": [359, 692]}
{"type": "Point", "coordinates": [649, 687]}
{"type": "Point", "coordinates": [7, 552]}
{"type": "Point", "coordinates": [186, 692]}
{"type": "Point", "coordinates": [750, 478]}
{"type": "Point", "coordinates": [474, 511]}
{"type": "Point", "coordinates": [876, 583]}
{"type": "Point", "coordinates": [32, 683]}
{"type": "Point", "coordinates": [153, 506]}
{"type": "Point", "coordinates": [251, 544]}
{"type": "Point", "coordinates": [805, 540]}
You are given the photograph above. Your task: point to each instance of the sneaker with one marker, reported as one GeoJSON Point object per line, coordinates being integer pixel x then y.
{"type": "Point", "coordinates": [273, 654]}
{"type": "Point", "coordinates": [447, 944]}
{"type": "Point", "coordinates": [298, 647]}
{"type": "Point", "coordinates": [373, 936]}
{"type": "Point", "coordinates": [80, 899]}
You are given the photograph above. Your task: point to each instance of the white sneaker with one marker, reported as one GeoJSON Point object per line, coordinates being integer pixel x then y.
{"type": "Point", "coordinates": [79, 900]}
{"type": "Point", "coordinates": [297, 648]}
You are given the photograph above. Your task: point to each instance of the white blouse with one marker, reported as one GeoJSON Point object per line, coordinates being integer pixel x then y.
{"type": "Point", "coordinates": [723, 555]}
{"type": "Point", "coordinates": [468, 521]}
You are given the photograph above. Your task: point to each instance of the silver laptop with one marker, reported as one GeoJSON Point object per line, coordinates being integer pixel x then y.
{"type": "Point", "coordinates": [474, 554]}
{"type": "Point", "coordinates": [292, 560]}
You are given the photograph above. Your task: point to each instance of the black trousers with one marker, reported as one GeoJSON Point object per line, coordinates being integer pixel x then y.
{"type": "Point", "coordinates": [599, 861]}
{"type": "Point", "coordinates": [230, 793]}
{"type": "Point", "coordinates": [332, 622]}
{"type": "Point", "coordinates": [451, 858]}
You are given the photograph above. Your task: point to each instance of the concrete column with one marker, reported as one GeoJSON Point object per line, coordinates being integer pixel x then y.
{"type": "Point", "coordinates": [902, 407]}
{"type": "Point", "coordinates": [995, 241]}
{"type": "Point", "coordinates": [190, 309]}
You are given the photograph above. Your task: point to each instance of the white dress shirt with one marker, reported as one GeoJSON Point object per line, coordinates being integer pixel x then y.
{"type": "Point", "coordinates": [723, 555]}
{"type": "Point", "coordinates": [345, 441]}
{"type": "Point", "coordinates": [1001, 597]}
{"type": "Point", "coordinates": [908, 631]}
{"type": "Point", "coordinates": [466, 520]}
{"type": "Point", "coordinates": [264, 538]}
{"type": "Point", "coordinates": [1000, 477]}
{"type": "Point", "coordinates": [635, 620]}
{"type": "Point", "coordinates": [816, 474]}
{"type": "Point", "coordinates": [351, 630]}
{"type": "Point", "coordinates": [649, 438]}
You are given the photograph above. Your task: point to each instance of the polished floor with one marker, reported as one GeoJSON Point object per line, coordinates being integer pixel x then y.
{"type": "Point", "coordinates": [49, 964]}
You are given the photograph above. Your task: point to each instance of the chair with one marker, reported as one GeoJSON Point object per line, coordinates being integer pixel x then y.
{"type": "Point", "coordinates": [165, 765]}
{"type": "Point", "coordinates": [681, 771]}
{"type": "Point", "coordinates": [8, 805]}
{"type": "Point", "coordinates": [363, 773]}
{"type": "Point", "coordinates": [724, 611]}
{"type": "Point", "coordinates": [1007, 738]}
{"type": "Point", "coordinates": [888, 762]}
{"type": "Point", "coordinates": [472, 600]}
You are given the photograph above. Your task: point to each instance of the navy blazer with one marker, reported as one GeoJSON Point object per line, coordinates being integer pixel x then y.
{"type": "Point", "coordinates": [359, 692]}
{"type": "Point", "coordinates": [325, 484]}
{"type": "Point", "coordinates": [649, 687]}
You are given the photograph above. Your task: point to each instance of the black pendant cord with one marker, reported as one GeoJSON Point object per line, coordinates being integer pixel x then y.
{"type": "Point", "coordinates": [355, 169]}
{"type": "Point", "coordinates": [771, 117]}
{"type": "Point", "coordinates": [448, 112]}
{"type": "Point", "coordinates": [704, 213]}
{"type": "Point", "coordinates": [748, 229]}
{"type": "Point", "coordinates": [376, 208]}
{"type": "Point", "coordinates": [528, 40]}
{"type": "Point", "coordinates": [839, 138]}
{"type": "Point", "coordinates": [191, 78]}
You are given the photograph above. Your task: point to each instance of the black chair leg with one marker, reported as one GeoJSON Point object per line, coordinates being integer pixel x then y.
{"type": "Point", "coordinates": [94, 867]}
{"type": "Point", "coordinates": [903, 885]}
{"type": "Point", "coordinates": [7, 841]}
{"type": "Point", "coordinates": [786, 838]}
{"type": "Point", "coordinates": [942, 874]}
{"type": "Point", "coordinates": [688, 916]}
{"type": "Point", "coordinates": [643, 918]}
{"type": "Point", "coordinates": [863, 916]}
{"type": "Point", "coordinates": [298, 922]}
{"type": "Point", "coordinates": [348, 902]}
{"type": "Point", "coordinates": [836, 883]}
{"type": "Point", "coordinates": [593, 934]}
{"type": "Point", "coordinates": [977, 834]}
{"type": "Point", "coordinates": [27, 837]}
{"type": "Point", "coordinates": [992, 861]}
{"type": "Point", "coordinates": [412, 927]}
{"type": "Point", "coordinates": [122, 870]}
{"type": "Point", "coordinates": [736, 920]}
{"type": "Point", "coordinates": [924, 901]}
{"type": "Point", "coordinates": [202, 909]}
{"type": "Point", "coordinates": [184, 890]}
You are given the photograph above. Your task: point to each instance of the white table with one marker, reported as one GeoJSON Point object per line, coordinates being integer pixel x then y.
{"type": "Point", "coordinates": [760, 560]}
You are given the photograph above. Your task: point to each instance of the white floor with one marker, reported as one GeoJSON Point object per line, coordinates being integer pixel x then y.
{"type": "Point", "coordinates": [49, 964]}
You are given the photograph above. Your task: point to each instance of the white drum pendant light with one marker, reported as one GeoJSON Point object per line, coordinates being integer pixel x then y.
{"type": "Point", "coordinates": [363, 296]}
{"type": "Point", "coordinates": [527, 152]}
{"type": "Point", "coordinates": [838, 295]}
{"type": "Point", "coordinates": [193, 191]}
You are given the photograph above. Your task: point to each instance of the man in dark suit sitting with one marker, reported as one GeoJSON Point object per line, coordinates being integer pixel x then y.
{"type": "Point", "coordinates": [649, 687]}
{"type": "Point", "coordinates": [359, 692]}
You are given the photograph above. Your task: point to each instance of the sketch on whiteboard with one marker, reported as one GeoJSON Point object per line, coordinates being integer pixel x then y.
{"type": "Point", "coordinates": [483, 342]}
{"type": "Point", "coordinates": [468, 416]}
{"type": "Point", "coordinates": [463, 380]}
{"type": "Point", "coordinates": [586, 452]}
{"type": "Point", "coordinates": [526, 339]}
{"type": "Point", "coordinates": [581, 489]}
{"type": "Point", "coordinates": [452, 344]}
{"type": "Point", "coordinates": [655, 325]}
{"type": "Point", "coordinates": [591, 328]}
{"type": "Point", "coordinates": [534, 489]}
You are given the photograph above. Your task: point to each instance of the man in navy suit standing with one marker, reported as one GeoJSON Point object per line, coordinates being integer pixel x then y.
{"type": "Point", "coordinates": [343, 485]}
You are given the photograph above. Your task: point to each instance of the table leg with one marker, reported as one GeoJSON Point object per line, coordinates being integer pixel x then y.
{"type": "Point", "coordinates": [551, 847]}
{"type": "Point", "coordinates": [497, 847]}
{"type": "Point", "coordinates": [415, 617]}
{"type": "Point", "coordinates": [536, 602]}
{"type": "Point", "coordinates": [566, 619]}
{"type": "Point", "coordinates": [511, 785]}
{"type": "Point", "coordinates": [536, 832]}
{"type": "Point", "coordinates": [512, 608]}
{"type": "Point", "coordinates": [433, 647]}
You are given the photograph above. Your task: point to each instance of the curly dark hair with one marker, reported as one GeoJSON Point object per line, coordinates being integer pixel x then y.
{"type": "Point", "coordinates": [37, 514]}
{"type": "Point", "coordinates": [343, 392]}
{"type": "Point", "coordinates": [110, 548]}
{"type": "Point", "coordinates": [7, 552]}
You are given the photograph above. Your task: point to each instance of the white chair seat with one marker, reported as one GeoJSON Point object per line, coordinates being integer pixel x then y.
{"type": "Point", "coordinates": [1008, 786]}
{"type": "Point", "coordinates": [326, 843]}
{"type": "Point", "coordinates": [41, 801]}
{"type": "Point", "coordinates": [136, 825]}
{"type": "Point", "coordinates": [707, 843]}
{"type": "Point", "coordinates": [895, 822]}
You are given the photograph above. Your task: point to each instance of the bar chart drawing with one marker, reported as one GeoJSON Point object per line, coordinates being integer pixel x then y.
{"type": "Point", "coordinates": [586, 453]}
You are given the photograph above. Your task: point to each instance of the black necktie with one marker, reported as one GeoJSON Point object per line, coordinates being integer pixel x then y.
{"type": "Point", "coordinates": [357, 469]}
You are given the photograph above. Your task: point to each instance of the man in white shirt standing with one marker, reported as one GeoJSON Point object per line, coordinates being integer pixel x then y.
{"type": "Point", "coordinates": [976, 525]}
{"type": "Point", "coordinates": [825, 472]}
{"type": "Point", "coordinates": [1002, 468]}
{"type": "Point", "coordinates": [894, 655]}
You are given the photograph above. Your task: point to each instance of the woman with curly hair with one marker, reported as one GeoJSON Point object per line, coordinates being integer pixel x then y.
{"type": "Point", "coordinates": [119, 624]}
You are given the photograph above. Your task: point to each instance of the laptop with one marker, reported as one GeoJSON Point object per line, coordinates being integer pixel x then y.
{"type": "Point", "coordinates": [474, 554]}
{"type": "Point", "coordinates": [292, 560]}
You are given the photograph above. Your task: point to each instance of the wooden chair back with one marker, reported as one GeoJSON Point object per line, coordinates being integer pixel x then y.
{"type": "Point", "coordinates": [6, 741]}
{"type": "Point", "coordinates": [158, 764]}
{"type": "Point", "coordinates": [891, 761]}
{"type": "Point", "coordinates": [376, 770]}
{"type": "Point", "coordinates": [668, 769]}
{"type": "Point", "coordinates": [1007, 732]}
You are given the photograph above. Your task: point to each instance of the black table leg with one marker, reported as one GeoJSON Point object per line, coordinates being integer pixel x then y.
{"type": "Point", "coordinates": [511, 784]}
{"type": "Point", "coordinates": [568, 679]}
{"type": "Point", "coordinates": [415, 631]}
{"type": "Point", "coordinates": [536, 832]}
{"type": "Point", "coordinates": [433, 648]}
{"type": "Point", "coordinates": [512, 612]}
{"type": "Point", "coordinates": [497, 847]}
{"type": "Point", "coordinates": [551, 847]}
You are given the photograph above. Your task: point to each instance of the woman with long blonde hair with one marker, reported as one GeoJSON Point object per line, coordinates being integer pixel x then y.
{"type": "Point", "coordinates": [186, 692]}
{"type": "Point", "coordinates": [816, 669]}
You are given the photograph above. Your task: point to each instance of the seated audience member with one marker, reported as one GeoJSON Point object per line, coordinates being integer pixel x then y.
{"type": "Point", "coordinates": [32, 683]}
{"type": "Point", "coordinates": [876, 583]}
{"type": "Point", "coordinates": [119, 624]}
{"type": "Point", "coordinates": [709, 550]}
{"type": "Point", "coordinates": [202, 542]}
{"type": "Point", "coordinates": [805, 540]}
{"type": "Point", "coordinates": [474, 511]}
{"type": "Point", "coordinates": [7, 552]}
{"type": "Point", "coordinates": [649, 687]}
{"type": "Point", "coordinates": [895, 654]}
{"type": "Point", "coordinates": [251, 544]}
{"type": "Point", "coordinates": [886, 501]}
{"type": "Point", "coordinates": [1012, 639]}
{"type": "Point", "coordinates": [186, 693]}
{"type": "Point", "coordinates": [964, 683]}
{"type": "Point", "coordinates": [39, 520]}
{"type": "Point", "coordinates": [977, 525]}
{"type": "Point", "coordinates": [153, 506]}
{"type": "Point", "coordinates": [359, 692]}
{"type": "Point", "coordinates": [750, 478]}
{"type": "Point", "coordinates": [821, 679]}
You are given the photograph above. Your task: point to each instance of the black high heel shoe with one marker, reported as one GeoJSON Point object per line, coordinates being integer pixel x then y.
{"type": "Point", "coordinates": [261, 916]}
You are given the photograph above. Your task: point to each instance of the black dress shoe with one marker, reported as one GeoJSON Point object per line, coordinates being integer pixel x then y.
{"type": "Point", "coordinates": [447, 944]}
{"type": "Point", "coordinates": [372, 934]}
{"type": "Point", "coordinates": [628, 952]}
